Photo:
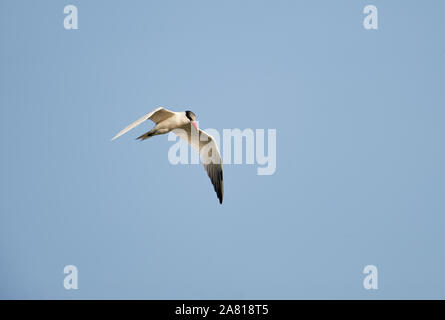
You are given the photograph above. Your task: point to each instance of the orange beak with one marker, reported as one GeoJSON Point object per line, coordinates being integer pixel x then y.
{"type": "Point", "coordinates": [195, 125]}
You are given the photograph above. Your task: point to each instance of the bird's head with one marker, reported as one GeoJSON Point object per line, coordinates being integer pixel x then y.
{"type": "Point", "coordinates": [192, 117]}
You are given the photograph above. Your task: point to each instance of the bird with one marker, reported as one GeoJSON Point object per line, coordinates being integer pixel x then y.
{"type": "Point", "coordinates": [184, 125]}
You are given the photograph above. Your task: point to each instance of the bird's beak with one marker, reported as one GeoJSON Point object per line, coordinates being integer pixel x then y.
{"type": "Point", "coordinates": [195, 125]}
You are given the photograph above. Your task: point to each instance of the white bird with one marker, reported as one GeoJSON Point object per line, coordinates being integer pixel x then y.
{"type": "Point", "coordinates": [184, 125]}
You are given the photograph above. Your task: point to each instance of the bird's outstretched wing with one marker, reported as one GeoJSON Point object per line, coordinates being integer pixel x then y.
{"type": "Point", "coordinates": [208, 150]}
{"type": "Point", "coordinates": [157, 115]}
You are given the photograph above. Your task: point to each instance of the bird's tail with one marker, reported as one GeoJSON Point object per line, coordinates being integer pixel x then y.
{"type": "Point", "coordinates": [147, 135]}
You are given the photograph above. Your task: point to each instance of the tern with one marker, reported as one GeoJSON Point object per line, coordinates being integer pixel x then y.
{"type": "Point", "coordinates": [184, 125]}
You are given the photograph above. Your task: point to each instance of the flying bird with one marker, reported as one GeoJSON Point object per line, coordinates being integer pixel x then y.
{"type": "Point", "coordinates": [184, 125]}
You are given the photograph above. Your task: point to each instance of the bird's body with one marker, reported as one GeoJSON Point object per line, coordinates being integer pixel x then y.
{"type": "Point", "coordinates": [184, 125]}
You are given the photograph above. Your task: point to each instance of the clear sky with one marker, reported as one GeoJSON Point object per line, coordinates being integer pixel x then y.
{"type": "Point", "coordinates": [360, 172]}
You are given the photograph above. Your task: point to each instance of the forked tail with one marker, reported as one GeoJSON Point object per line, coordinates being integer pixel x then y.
{"type": "Point", "coordinates": [147, 135]}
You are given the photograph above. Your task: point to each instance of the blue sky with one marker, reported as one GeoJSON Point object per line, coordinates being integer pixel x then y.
{"type": "Point", "coordinates": [360, 158]}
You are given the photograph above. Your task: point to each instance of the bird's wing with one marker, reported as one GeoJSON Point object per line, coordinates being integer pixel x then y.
{"type": "Point", "coordinates": [208, 150]}
{"type": "Point", "coordinates": [157, 115]}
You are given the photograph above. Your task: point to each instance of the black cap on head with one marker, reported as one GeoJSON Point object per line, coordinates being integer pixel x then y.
{"type": "Point", "coordinates": [190, 115]}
